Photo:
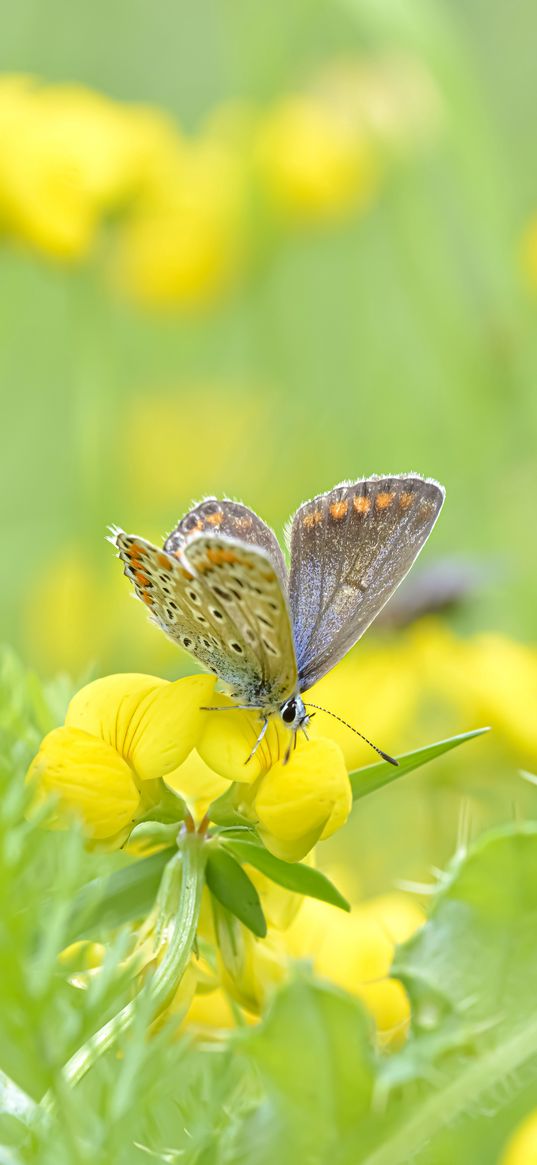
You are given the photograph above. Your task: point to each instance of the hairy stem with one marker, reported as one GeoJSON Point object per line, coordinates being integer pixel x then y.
{"type": "Point", "coordinates": [168, 974]}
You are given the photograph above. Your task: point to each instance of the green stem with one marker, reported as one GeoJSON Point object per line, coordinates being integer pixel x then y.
{"type": "Point", "coordinates": [168, 974]}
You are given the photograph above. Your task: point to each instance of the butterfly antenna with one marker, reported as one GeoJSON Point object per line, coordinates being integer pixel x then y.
{"type": "Point", "coordinates": [385, 756]}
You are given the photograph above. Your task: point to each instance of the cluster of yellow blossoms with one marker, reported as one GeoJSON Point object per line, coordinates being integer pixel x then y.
{"type": "Point", "coordinates": [187, 211]}
{"type": "Point", "coordinates": [129, 738]}
{"type": "Point", "coordinates": [125, 734]}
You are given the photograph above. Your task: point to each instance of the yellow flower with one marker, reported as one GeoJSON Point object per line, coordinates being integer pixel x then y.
{"type": "Point", "coordinates": [293, 804]}
{"type": "Point", "coordinates": [210, 1012]}
{"type": "Point", "coordinates": [529, 252]}
{"type": "Point", "coordinates": [355, 951]}
{"type": "Point", "coordinates": [312, 164]}
{"type": "Point", "coordinates": [376, 690]}
{"type": "Point", "coordinates": [522, 1146]}
{"type": "Point", "coordinates": [183, 246]}
{"type": "Point", "coordinates": [304, 801]}
{"type": "Point", "coordinates": [260, 965]}
{"type": "Point", "coordinates": [67, 156]}
{"type": "Point", "coordinates": [121, 735]}
{"type": "Point", "coordinates": [197, 784]}
{"type": "Point", "coordinates": [488, 678]}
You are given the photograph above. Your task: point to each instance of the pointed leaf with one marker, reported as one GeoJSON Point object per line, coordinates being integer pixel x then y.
{"type": "Point", "coordinates": [372, 777]}
{"type": "Point", "coordinates": [232, 887]}
{"type": "Point", "coordinates": [223, 810]}
{"type": "Point", "coordinates": [117, 898]}
{"type": "Point", "coordinates": [293, 875]}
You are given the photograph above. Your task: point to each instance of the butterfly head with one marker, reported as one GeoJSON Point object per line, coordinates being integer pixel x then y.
{"type": "Point", "coordinates": [293, 713]}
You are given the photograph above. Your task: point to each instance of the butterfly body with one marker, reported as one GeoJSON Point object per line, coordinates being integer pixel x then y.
{"type": "Point", "coordinates": [220, 589]}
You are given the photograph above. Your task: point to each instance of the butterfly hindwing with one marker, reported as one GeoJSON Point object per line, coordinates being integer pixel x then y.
{"type": "Point", "coordinates": [350, 549]}
{"type": "Point", "coordinates": [245, 584]}
{"type": "Point", "coordinates": [232, 520]}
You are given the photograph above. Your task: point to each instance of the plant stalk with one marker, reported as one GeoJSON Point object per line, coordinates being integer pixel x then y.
{"type": "Point", "coordinates": [165, 980]}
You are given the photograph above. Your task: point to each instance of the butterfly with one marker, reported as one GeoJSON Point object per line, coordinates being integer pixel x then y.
{"type": "Point", "coordinates": [220, 587]}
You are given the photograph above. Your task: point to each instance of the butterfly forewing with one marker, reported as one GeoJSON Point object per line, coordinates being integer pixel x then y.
{"type": "Point", "coordinates": [184, 608]}
{"type": "Point", "coordinates": [232, 520]}
{"type": "Point", "coordinates": [350, 549]}
{"type": "Point", "coordinates": [245, 585]}
{"type": "Point", "coordinates": [224, 603]}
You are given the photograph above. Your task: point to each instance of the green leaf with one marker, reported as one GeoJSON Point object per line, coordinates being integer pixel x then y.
{"type": "Point", "coordinates": [372, 777]}
{"type": "Point", "coordinates": [223, 811]}
{"type": "Point", "coordinates": [117, 898]}
{"type": "Point", "coordinates": [232, 887]}
{"type": "Point", "coordinates": [470, 974]}
{"type": "Point", "coordinates": [313, 1051]}
{"type": "Point", "coordinates": [293, 875]}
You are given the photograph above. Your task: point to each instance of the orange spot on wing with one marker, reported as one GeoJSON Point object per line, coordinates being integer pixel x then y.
{"type": "Point", "coordinates": [406, 500]}
{"type": "Point", "coordinates": [338, 510]}
{"type": "Point", "coordinates": [383, 500]}
{"type": "Point", "coordinates": [141, 579]}
{"type": "Point", "coordinates": [135, 552]}
{"type": "Point", "coordinates": [361, 504]}
{"type": "Point", "coordinates": [312, 518]}
{"type": "Point", "coordinates": [163, 561]}
{"type": "Point", "coordinates": [218, 555]}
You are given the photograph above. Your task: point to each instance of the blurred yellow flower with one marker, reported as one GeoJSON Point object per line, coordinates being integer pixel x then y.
{"type": "Point", "coordinates": [121, 735]}
{"type": "Point", "coordinates": [235, 421]}
{"type": "Point", "coordinates": [376, 690]}
{"type": "Point", "coordinates": [313, 166]}
{"type": "Point", "coordinates": [210, 1012]}
{"type": "Point", "coordinates": [522, 1146]}
{"type": "Point", "coordinates": [355, 951]}
{"type": "Point", "coordinates": [259, 966]}
{"type": "Point", "coordinates": [487, 678]}
{"type": "Point", "coordinates": [67, 156]}
{"type": "Point", "coordinates": [529, 252]}
{"type": "Point", "coordinates": [184, 244]}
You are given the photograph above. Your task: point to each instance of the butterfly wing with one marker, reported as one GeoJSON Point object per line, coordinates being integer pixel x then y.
{"type": "Point", "coordinates": [232, 520]}
{"type": "Point", "coordinates": [244, 581]}
{"type": "Point", "coordinates": [224, 603]}
{"type": "Point", "coordinates": [350, 549]}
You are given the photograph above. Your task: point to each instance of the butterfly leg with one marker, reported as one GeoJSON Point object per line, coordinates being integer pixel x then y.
{"type": "Point", "coordinates": [258, 741]}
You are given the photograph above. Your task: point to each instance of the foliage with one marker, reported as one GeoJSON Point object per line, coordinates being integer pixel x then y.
{"type": "Point", "coordinates": [308, 1082]}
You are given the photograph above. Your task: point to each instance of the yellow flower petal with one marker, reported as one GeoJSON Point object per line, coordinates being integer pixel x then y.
{"type": "Point", "coordinates": [152, 723]}
{"type": "Point", "coordinates": [197, 783]}
{"type": "Point", "coordinates": [522, 1146]}
{"type": "Point", "coordinates": [90, 779]}
{"type": "Point", "coordinates": [261, 965]}
{"type": "Point", "coordinates": [311, 795]}
{"type": "Point", "coordinates": [356, 951]}
{"type": "Point", "coordinates": [227, 739]}
{"type": "Point", "coordinates": [313, 165]}
{"type": "Point", "coordinates": [168, 729]}
{"type": "Point", "coordinates": [108, 706]}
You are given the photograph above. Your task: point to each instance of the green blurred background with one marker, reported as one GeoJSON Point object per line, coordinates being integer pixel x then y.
{"type": "Point", "coordinates": [397, 337]}
{"type": "Point", "coordinates": [359, 295]}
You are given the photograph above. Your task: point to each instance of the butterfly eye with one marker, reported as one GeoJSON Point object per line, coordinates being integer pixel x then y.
{"type": "Point", "coordinates": [288, 712]}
